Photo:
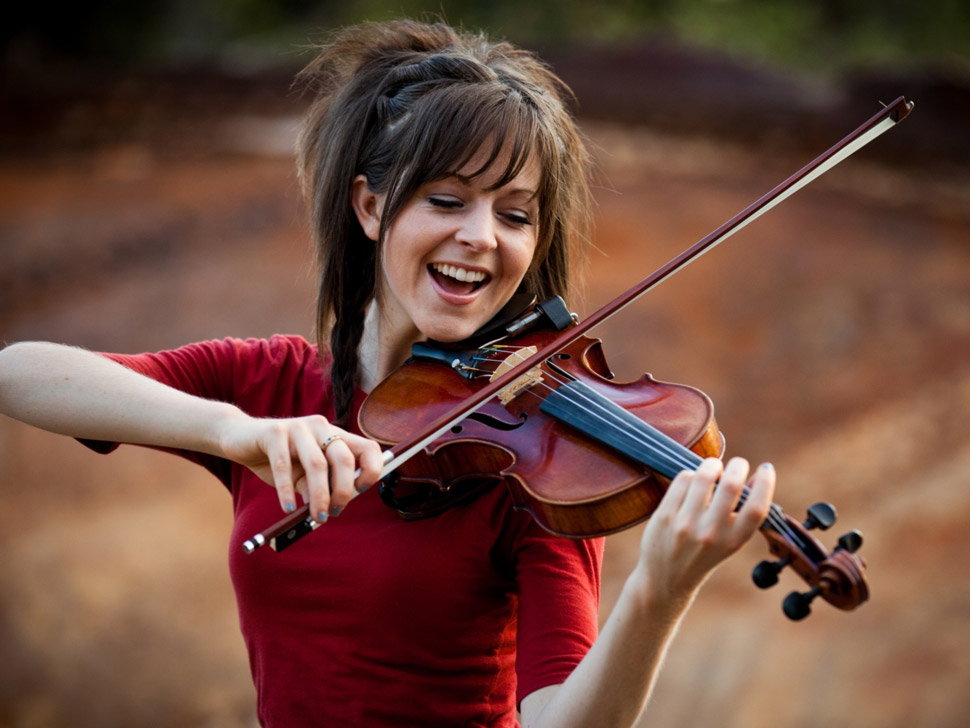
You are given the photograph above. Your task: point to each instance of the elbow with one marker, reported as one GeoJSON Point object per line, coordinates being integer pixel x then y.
{"type": "Point", "coordinates": [11, 361]}
{"type": "Point", "coordinates": [18, 363]}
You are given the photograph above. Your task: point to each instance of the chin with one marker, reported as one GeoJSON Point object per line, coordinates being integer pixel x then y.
{"type": "Point", "coordinates": [450, 332]}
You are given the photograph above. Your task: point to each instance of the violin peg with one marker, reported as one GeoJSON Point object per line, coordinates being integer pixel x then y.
{"type": "Point", "coordinates": [765, 574]}
{"type": "Point", "coordinates": [821, 516]}
{"type": "Point", "coordinates": [850, 541]}
{"type": "Point", "coordinates": [798, 606]}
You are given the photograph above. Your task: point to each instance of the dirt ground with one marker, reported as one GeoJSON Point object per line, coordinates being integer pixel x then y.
{"type": "Point", "coordinates": [833, 336]}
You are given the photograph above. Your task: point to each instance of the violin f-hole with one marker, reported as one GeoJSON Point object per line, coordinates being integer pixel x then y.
{"type": "Point", "coordinates": [498, 424]}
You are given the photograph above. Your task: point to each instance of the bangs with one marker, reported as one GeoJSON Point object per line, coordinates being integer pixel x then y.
{"type": "Point", "coordinates": [506, 130]}
{"type": "Point", "coordinates": [455, 126]}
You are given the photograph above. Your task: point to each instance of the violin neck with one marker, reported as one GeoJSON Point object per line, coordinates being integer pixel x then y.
{"type": "Point", "coordinates": [603, 420]}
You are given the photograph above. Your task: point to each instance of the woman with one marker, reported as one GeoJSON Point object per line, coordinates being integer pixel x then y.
{"type": "Point", "coordinates": [444, 175]}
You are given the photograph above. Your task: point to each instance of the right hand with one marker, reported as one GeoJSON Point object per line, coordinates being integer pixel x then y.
{"type": "Point", "coordinates": [289, 454]}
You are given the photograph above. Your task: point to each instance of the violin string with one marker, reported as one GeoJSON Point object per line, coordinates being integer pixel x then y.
{"type": "Point", "coordinates": [679, 455]}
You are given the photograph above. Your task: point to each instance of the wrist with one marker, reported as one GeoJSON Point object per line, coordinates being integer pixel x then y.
{"type": "Point", "coordinates": [649, 596]}
{"type": "Point", "coordinates": [219, 439]}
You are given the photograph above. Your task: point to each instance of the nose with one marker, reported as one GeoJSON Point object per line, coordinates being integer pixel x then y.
{"type": "Point", "coordinates": [477, 228]}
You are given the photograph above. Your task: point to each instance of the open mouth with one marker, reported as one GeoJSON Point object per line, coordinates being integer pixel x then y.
{"type": "Point", "coordinates": [456, 280]}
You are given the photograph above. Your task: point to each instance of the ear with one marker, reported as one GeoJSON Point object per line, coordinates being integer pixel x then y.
{"type": "Point", "coordinates": [367, 206]}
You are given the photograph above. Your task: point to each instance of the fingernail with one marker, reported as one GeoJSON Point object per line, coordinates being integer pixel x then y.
{"type": "Point", "coordinates": [767, 466]}
{"type": "Point", "coordinates": [289, 506]}
{"type": "Point", "coordinates": [322, 516]}
{"type": "Point", "coordinates": [362, 488]}
{"type": "Point", "coordinates": [336, 511]}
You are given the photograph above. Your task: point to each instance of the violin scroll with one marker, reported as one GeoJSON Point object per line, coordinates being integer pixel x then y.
{"type": "Point", "coordinates": [839, 576]}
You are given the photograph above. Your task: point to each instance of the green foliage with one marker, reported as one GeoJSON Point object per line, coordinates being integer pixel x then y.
{"type": "Point", "coordinates": [820, 36]}
{"type": "Point", "coordinates": [830, 35]}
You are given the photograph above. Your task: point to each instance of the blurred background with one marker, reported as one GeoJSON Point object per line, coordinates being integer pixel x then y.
{"type": "Point", "coordinates": [148, 199]}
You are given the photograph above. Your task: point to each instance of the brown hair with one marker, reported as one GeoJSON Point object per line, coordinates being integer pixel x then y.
{"type": "Point", "coordinates": [405, 103]}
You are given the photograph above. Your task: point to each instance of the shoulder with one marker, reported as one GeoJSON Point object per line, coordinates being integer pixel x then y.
{"type": "Point", "coordinates": [280, 350]}
{"type": "Point", "coordinates": [255, 359]}
{"type": "Point", "coordinates": [227, 354]}
{"type": "Point", "coordinates": [526, 544]}
{"type": "Point", "coordinates": [282, 376]}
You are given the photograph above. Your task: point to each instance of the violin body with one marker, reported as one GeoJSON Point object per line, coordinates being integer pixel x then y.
{"type": "Point", "coordinates": [573, 486]}
{"type": "Point", "coordinates": [585, 455]}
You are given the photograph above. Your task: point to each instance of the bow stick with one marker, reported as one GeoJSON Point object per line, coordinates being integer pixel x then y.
{"type": "Point", "coordinates": [300, 522]}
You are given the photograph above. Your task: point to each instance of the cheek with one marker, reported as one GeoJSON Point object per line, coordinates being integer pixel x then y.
{"type": "Point", "coordinates": [394, 259]}
{"type": "Point", "coordinates": [520, 259]}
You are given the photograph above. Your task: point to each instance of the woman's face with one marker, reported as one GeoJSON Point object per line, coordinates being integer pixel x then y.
{"type": "Point", "coordinates": [456, 252]}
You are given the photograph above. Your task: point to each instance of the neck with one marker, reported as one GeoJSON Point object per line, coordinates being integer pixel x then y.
{"type": "Point", "coordinates": [383, 347]}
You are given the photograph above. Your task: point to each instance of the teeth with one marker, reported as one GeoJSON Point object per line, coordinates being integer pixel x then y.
{"type": "Point", "coordinates": [460, 274]}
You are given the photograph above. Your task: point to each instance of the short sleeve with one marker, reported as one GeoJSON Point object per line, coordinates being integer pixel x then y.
{"type": "Point", "coordinates": [204, 369]}
{"type": "Point", "coordinates": [558, 620]}
{"type": "Point", "coordinates": [276, 377]}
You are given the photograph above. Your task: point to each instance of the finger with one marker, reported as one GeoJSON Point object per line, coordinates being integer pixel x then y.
{"type": "Point", "coordinates": [342, 467]}
{"type": "Point", "coordinates": [755, 509]}
{"type": "Point", "coordinates": [278, 454]}
{"type": "Point", "coordinates": [676, 491]}
{"type": "Point", "coordinates": [302, 489]}
{"type": "Point", "coordinates": [370, 460]}
{"type": "Point", "coordinates": [729, 487]}
{"type": "Point", "coordinates": [316, 470]}
{"type": "Point", "coordinates": [702, 485]}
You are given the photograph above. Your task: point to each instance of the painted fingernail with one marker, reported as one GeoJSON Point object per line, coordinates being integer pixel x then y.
{"type": "Point", "coordinates": [289, 506]}
{"type": "Point", "coordinates": [767, 466]}
{"type": "Point", "coordinates": [322, 516]}
{"type": "Point", "coordinates": [336, 511]}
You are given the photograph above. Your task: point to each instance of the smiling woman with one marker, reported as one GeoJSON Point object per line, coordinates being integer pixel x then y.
{"type": "Point", "coordinates": [404, 120]}
{"type": "Point", "coordinates": [445, 175]}
{"type": "Point", "coordinates": [455, 254]}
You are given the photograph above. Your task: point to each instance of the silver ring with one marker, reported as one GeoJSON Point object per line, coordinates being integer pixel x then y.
{"type": "Point", "coordinates": [328, 442]}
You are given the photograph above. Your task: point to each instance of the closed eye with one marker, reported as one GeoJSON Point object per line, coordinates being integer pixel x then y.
{"type": "Point", "coordinates": [444, 202]}
{"type": "Point", "coordinates": [517, 219]}
{"type": "Point", "coordinates": [448, 203]}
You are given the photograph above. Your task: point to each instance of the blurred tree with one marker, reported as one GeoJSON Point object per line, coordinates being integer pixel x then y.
{"type": "Point", "coordinates": [824, 36]}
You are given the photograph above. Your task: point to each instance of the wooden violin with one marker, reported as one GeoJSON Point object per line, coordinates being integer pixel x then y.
{"type": "Point", "coordinates": [531, 403]}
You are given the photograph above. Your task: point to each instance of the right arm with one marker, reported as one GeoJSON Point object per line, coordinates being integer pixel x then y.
{"type": "Point", "coordinates": [81, 394]}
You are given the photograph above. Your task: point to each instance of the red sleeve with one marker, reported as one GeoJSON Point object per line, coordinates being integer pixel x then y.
{"type": "Point", "coordinates": [559, 590]}
{"type": "Point", "coordinates": [276, 377]}
{"type": "Point", "coordinates": [204, 369]}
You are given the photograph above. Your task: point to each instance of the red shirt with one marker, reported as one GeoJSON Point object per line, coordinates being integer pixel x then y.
{"type": "Point", "coordinates": [372, 620]}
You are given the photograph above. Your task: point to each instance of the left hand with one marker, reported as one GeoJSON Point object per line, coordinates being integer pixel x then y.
{"type": "Point", "coordinates": [697, 526]}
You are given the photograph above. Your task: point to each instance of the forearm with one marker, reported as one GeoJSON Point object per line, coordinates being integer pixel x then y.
{"type": "Point", "coordinates": [610, 687]}
{"type": "Point", "coordinates": [694, 528]}
{"type": "Point", "coordinates": [78, 393]}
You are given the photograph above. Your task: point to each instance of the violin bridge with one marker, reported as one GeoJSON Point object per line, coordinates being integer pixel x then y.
{"type": "Point", "coordinates": [533, 376]}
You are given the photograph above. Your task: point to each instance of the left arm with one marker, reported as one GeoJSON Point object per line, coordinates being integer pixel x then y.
{"type": "Point", "coordinates": [694, 529]}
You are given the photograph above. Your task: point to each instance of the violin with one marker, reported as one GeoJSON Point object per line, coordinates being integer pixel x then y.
{"type": "Point", "coordinates": [529, 402]}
